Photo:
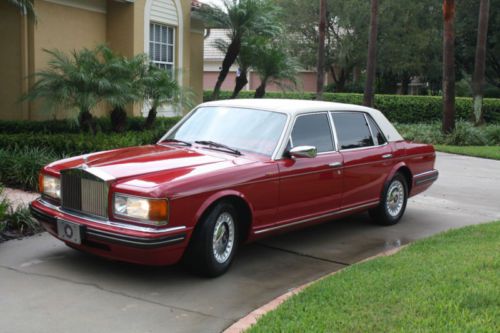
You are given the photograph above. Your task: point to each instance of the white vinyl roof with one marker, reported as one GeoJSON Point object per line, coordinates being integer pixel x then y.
{"type": "Point", "coordinates": [294, 107]}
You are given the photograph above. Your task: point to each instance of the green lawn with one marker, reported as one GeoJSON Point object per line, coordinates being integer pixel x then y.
{"type": "Point", "coordinates": [446, 283]}
{"type": "Point", "coordinates": [492, 152]}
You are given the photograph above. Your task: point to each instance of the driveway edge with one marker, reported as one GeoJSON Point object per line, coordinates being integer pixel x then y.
{"type": "Point", "coordinates": [250, 319]}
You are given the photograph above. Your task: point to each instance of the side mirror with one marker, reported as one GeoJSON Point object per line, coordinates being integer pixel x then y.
{"type": "Point", "coordinates": [304, 151]}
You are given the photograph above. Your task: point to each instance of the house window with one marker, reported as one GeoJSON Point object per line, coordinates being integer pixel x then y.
{"type": "Point", "coordinates": [161, 46]}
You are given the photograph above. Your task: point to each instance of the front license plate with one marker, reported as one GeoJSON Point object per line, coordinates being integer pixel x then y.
{"type": "Point", "coordinates": [69, 231]}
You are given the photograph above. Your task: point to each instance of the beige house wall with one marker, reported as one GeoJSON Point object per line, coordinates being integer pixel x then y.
{"type": "Point", "coordinates": [10, 63]}
{"type": "Point", "coordinates": [67, 28]}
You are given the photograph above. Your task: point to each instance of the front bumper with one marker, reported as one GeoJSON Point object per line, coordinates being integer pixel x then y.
{"type": "Point", "coordinates": [142, 245]}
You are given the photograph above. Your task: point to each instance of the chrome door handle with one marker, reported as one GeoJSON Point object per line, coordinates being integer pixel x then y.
{"type": "Point", "coordinates": [387, 156]}
{"type": "Point", "coordinates": [335, 164]}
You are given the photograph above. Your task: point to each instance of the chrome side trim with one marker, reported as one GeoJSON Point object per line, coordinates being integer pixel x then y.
{"type": "Point", "coordinates": [111, 223]}
{"type": "Point", "coordinates": [425, 177]}
{"type": "Point", "coordinates": [371, 204]}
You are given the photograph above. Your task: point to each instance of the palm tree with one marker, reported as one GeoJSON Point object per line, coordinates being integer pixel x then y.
{"type": "Point", "coordinates": [273, 64]}
{"type": "Point", "coordinates": [478, 79]}
{"type": "Point", "coordinates": [320, 83]}
{"type": "Point", "coordinates": [449, 66]}
{"type": "Point", "coordinates": [160, 87]}
{"type": "Point", "coordinates": [120, 83]}
{"type": "Point", "coordinates": [240, 18]}
{"type": "Point", "coordinates": [26, 7]}
{"type": "Point", "coordinates": [372, 53]}
{"type": "Point", "coordinates": [244, 60]}
{"type": "Point", "coordinates": [72, 81]}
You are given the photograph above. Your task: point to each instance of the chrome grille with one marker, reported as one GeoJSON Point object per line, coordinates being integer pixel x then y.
{"type": "Point", "coordinates": [84, 192]}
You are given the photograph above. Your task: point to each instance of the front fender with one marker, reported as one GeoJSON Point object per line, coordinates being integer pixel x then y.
{"type": "Point", "coordinates": [217, 196]}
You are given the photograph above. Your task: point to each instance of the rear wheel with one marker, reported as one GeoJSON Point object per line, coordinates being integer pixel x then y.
{"type": "Point", "coordinates": [214, 241]}
{"type": "Point", "coordinates": [393, 203]}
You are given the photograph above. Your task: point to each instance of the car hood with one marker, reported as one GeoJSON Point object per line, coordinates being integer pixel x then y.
{"type": "Point", "coordinates": [140, 161]}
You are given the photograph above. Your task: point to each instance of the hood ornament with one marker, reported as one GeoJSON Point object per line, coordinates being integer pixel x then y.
{"type": "Point", "coordinates": [85, 161]}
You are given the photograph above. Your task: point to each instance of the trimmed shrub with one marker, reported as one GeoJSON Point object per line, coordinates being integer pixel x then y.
{"type": "Point", "coordinates": [465, 134]}
{"type": "Point", "coordinates": [71, 126]}
{"type": "Point", "coordinates": [20, 167]}
{"type": "Point", "coordinates": [397, 108]}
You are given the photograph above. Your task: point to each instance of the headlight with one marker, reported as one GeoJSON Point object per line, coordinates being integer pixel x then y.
{"type": "Point", "coordinates": [50, 186]}
{"type": "Point", "coordinates": [145, 210]}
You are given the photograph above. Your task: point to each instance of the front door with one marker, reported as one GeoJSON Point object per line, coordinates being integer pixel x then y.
{"type": "Point", "coordinates": [310, 186]}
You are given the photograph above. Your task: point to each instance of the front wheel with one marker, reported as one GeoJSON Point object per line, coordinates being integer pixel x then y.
{"type": "Point", "coordinates": [214, 242]}
{"type": "Point", "coordinates": [393, 203]}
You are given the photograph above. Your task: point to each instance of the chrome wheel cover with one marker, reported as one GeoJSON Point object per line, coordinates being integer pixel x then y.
{"type": "Point", "coordinates": [223, 237]}
{"type": "Point", "coordinates": [395, 198]}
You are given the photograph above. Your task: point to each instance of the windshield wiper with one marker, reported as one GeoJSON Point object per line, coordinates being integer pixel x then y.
{"type": "Point", "coordinates": [218, 145]}
{"type": "Point", "coordinates": [178, 141]}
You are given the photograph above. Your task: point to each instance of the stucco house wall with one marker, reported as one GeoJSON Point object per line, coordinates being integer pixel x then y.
{"type": "Point", "coordinates": [70, 25]}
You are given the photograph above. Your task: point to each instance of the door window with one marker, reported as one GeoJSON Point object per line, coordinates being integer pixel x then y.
{"type": "Point", "coordinates": [313, 130]}
{"type": "Point", "coordinates": [377, 133]}
{"type": "Point", "coordinates": [352, 130]}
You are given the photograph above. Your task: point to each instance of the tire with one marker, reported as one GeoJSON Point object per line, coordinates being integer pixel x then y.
{"type": "Point", "coordinates": [214, 242]}
{"type": "Point", "coordinates": [393, 203]}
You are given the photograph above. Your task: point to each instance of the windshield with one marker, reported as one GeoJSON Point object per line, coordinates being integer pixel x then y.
{"type": "Point", "coordinates": [248, 130]}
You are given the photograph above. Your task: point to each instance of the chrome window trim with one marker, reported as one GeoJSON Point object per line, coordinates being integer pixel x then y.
{"type": "Point", "coordinates": [110, 223]}
{"type": "Point", "coordinates": [370, 129]}
{"type": "Point", "coordinates": [378, 127]}
{"type": "Point", "coordinates": [365, 147]}
{"type": "Point", "coordinates": [290, 129]}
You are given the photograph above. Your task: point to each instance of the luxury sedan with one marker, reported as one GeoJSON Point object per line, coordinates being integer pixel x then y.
{"type": "Point", "coordinates": [228, 173]}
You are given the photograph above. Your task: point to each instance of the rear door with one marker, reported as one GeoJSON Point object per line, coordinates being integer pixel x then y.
{"type": "Point", "coordinates": [310, 186]}
{"type": "Point", "coordinates": [367, 157]}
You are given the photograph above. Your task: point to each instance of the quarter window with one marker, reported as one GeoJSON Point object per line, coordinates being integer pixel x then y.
{"type": "Point", "coordinates": [352, 130]}
{"type": "Point", "coordinates": [377, 133]}
{"type": "Point", "coordinates": [313, 130]}
{"type": "Point", "coordinates": [161, 46]}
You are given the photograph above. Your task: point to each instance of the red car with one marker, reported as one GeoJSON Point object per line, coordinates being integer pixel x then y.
{"type": "Point", "coordinates": [231, 172]}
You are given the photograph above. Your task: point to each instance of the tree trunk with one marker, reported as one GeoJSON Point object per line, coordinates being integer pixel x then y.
{"type": "Point", "coordinates": [86, 121]}
{"type": "Point", "coordinates": [449, 66]}
{"type": "Point", "coordinates": [478, 79]}
{"type": "Point", "coordinates": [232, 53]}
{"type": "Point", "coordinates": [151, 118]}
{"type": "Point", "coordinates": [372, 53]}
{"type": "Point", "coordinates": [320, 83]}
{"type": "Point", "coordinates": [261, 90]}
{"type": "Point", "coordinates": [405, 84]}
{"type": "Point", "coordinates": [118, 119]}
{"type": "Point", "coordinates": [241, 82]}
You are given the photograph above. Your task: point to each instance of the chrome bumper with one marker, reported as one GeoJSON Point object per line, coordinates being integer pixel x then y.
{"type": "Point", "coordinates": [113, 237]}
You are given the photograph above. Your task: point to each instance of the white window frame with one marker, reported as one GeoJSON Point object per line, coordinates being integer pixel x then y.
{"type": "Point", "coordinates": [160, 63]}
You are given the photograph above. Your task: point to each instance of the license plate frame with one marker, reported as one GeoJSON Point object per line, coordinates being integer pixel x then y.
{"type": "Point", "coordinates": [69, 231]}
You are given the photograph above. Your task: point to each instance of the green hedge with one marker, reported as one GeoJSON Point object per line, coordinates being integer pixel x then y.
{"type": "Point", "coordinates": [397, 108]}
{"type": "Point", "coordinates": [71, 126]}
{"type": "Point", "coordinates": [78, 143]}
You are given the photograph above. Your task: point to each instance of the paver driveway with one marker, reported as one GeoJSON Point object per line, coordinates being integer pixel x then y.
{"type": "Point", "coordinates": [47, 287]}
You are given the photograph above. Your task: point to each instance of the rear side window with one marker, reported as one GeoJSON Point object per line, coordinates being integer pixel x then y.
{"type": "Point", "coordinates": [377, 133]}
{"type": "Point", "coordinates": [313, 130]}
{"type": "Point", "coordinates": [352, 130]}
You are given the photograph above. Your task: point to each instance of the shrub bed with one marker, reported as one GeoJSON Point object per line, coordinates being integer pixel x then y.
{"type": "Point", "coordinates": [71, 126]}
{"type": "Point", "coordinates": [15, 222]}
{"type": "Point", "coordinates": [397, 108]}
{"type": "Point", "coordinates": [465, 134]}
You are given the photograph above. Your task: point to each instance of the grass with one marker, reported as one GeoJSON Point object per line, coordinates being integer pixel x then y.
{"type": "Point", "coordinates": [446, 283]}
{"type": "Point", "coordinates": [491, 152]}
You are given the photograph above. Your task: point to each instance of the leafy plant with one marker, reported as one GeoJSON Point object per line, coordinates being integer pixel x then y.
{"type": "Point", "coordinates": [72, 81]}
{"type": "Point", "coordinates": [241, 18]}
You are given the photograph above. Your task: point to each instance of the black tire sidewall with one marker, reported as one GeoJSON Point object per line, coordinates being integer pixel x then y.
{"type": "Point", "coordinates": [202, 257]}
